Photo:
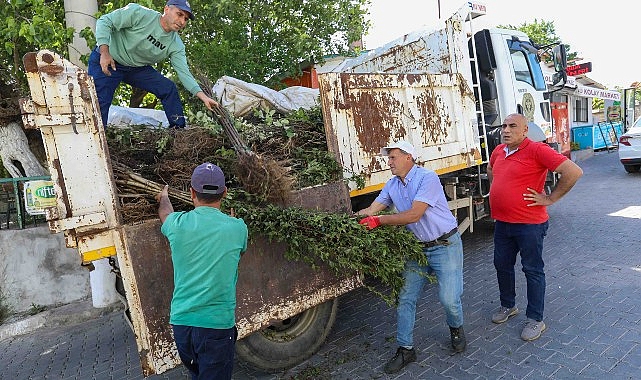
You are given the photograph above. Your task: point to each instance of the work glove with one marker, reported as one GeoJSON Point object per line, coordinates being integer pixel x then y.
{"type": "Point", "coordinates": [371, 222]}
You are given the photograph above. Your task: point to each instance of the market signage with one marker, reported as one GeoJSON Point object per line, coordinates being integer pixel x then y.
{"type": "Point", "coordinates": [581, 68]}
{"type": "Point", "coordinates": [591, 92]}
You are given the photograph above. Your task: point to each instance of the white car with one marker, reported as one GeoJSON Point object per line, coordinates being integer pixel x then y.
{"type": "Point", "coordinates": [630, 148]}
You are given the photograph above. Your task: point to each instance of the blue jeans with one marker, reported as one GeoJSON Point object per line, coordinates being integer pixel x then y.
{"type": "Point", "coordinates": [208, 354]}
{"type": "Point", "coordinates": [446, 262]}
{"type": "Point", "coordinates": [511, 239]}
{"type": "Point", "coordinates": [145, 78]}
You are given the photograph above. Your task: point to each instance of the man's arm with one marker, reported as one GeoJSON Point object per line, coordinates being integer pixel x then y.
{"type": "Point", "coordinates": [406, 217]}
{"type": "Point", "coordinates": [106, 60]}
{"type": "Point", "coordinates": [373, 209]}
{"type": "Point", "coordinates": [164, 204]}
{"type": "Point", "coordinates": [570, 173]}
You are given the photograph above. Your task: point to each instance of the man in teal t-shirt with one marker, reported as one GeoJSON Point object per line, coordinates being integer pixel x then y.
{"type": "Point", "coordinates": [131, 39]}
{"type": "Point", "coordinates": [206, 245]}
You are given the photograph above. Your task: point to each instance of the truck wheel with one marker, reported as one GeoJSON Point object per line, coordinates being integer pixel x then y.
{"type": "Point", "coordinates": [290, 341]}
{"type": "Point", "coordinates": [632, 168]}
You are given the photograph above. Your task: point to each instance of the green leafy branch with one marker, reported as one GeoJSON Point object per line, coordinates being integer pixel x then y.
{"type": "Point", "coordinates": [335, 239]}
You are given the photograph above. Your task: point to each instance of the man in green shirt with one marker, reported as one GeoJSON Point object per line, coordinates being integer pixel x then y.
{"type": "Point", "coordinates": [206, 246]}
{"type": "Point", "coordinates": [131, 39]}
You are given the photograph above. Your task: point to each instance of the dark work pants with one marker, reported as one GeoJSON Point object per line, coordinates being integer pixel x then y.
{"type": "Point", "coordinates": [511, 239]}
{"type": "Point", "coordinates": [208, 354]}
{"type": "Point", "coordinates": [145, 78]}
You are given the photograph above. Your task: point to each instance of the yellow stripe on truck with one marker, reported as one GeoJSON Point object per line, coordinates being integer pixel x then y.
{"type": "Point", "coordinates": [97, 254]}
{"type": "Point", "coordinates": [373, 188]}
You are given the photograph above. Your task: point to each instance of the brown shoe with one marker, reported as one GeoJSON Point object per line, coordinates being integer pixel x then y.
{"type": "Point", "coordinates": [402, 358]}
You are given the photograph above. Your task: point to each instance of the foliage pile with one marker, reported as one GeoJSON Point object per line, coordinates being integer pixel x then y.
{"type": "Point", "coordinates": [159, 157]}
{"type": "Point", "coordinates": [296, 142]}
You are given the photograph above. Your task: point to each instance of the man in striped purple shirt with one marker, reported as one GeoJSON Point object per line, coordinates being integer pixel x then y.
{"type": "Point", "coordinates": [418, 196]}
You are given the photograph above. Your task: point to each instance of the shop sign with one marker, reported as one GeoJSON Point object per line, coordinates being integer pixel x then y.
{"type": "Point", "coordinates": [39, 195]}
{"type": "Point", "coordinates": [591, 92]}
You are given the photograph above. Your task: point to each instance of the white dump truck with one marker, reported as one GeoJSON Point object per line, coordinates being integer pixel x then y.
{"type": "Point", "coordinates": [447, 91]}
{"type": "Point", "coordinates": [441, 90]}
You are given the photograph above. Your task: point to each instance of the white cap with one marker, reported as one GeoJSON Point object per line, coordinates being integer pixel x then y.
{"type": "Point", "coordinates": [402, 145]}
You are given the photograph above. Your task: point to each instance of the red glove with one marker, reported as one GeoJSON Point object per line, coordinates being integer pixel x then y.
{"type": "Point", "coordinates": [371, 222]}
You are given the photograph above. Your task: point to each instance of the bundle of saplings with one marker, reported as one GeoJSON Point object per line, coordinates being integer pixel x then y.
{"type": "Point", "coordinates": [279, 154]}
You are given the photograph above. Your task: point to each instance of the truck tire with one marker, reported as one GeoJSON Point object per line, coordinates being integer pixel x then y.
{"type": "Point", "coordinates": [289, 342]}
{"type": "Point", "coordinates": [632, 168]}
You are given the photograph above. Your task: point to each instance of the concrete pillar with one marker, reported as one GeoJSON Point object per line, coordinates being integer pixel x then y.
{"type": "Point", "coordinates": [78, 15]}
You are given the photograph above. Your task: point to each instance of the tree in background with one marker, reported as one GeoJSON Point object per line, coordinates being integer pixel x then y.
{"type": "Point", "coordinates": [258, 41]}
{"type": "Point", "coordinates": [28, 25]}
{"type": "Point", "coordinates": [25, 25]}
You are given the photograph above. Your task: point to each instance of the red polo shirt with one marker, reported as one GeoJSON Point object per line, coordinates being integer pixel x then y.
{"type": "Point", "coordinates": [512, 175]}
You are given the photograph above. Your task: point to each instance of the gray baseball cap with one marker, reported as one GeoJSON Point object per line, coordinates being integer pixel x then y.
{"type": "Point", "coordinates": [208, 179]}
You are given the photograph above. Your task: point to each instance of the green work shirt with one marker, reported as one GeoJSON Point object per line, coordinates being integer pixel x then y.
{"type": "Point", "coordinates": [205, 250]}
{"type": "Point", "coordinates": [135, 38]}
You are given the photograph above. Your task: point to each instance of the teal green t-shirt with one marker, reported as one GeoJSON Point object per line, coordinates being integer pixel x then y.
{"type": "Point", "coordinates": [205, 250]}
{"type": "Point", "coordinates": [135, 38]}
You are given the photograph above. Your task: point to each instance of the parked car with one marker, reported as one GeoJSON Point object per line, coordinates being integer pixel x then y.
{"type": "Point", "coordinates": [630, 148]}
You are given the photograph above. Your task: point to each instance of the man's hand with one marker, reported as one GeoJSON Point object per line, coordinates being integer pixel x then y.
{"type": "Point", "coordinates": [537, 199]}
{"type": "Point", "coordinates": [106, 60]}
{"type": "Point", "coordinates": [164, 204]}
{"type": "Point", "coordinates": [164, 193]}
{"type": "Point", "coordinates": [371, 222]}
{"type": "Point", "coordinates": [209, 102]}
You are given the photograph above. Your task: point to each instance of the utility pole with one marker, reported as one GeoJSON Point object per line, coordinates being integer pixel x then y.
{"type": "Point", "coordinates": [80, 14]}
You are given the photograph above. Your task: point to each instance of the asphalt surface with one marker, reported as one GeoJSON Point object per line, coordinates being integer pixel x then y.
{"type": "Point", "coordinates": [593, 311]}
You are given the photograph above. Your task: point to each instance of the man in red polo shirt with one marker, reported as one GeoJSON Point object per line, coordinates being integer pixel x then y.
{"type": "Point", "coordinates": [517, 171]}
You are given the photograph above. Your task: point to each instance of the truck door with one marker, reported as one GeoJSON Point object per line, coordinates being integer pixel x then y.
{"type": "Point", "coordinates": [520, 80]}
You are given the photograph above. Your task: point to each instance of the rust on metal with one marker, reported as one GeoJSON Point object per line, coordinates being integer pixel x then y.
{"type": "Point", "coordinates": [30, 62]}
{"type": "Point", "coordinates": [475, 153]}
{"type": "Point", "coordinates": [326, 105]}
{"type": "Point", "coordinates": [83, 81]}
{"type": "Point", "coordinates": [50, 68]}
{"type": "Point", "coordinates": [152, 285]}
{"type": "Point", "coordinates": [278, 282]}
{"type": "Point", "coordinates": [48, 58]}
{"type": "Point", "coordinates": [412, 79]}
{"type": "Point", "coordinates": [434, 119]}
{"type": "Point", "coordinates": [61, 183]}
{"type": "Point", "coordinates": [375, 114]}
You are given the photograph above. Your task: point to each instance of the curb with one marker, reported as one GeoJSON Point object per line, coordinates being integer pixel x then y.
{"type": "Point", "coordinates": [65, 315]}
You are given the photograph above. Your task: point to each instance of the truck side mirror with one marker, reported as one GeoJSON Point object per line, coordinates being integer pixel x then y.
{"type": "Point", "coordinates": [560, 58]}
{"type": "Point", "coordinates": [560, 77]}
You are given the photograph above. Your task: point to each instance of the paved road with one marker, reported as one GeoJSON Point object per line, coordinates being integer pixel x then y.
{"type": "Point", "coordinates": [593, 311]}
